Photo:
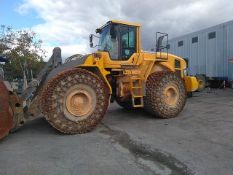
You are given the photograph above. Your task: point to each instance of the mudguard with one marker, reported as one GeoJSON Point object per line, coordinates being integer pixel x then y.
{"type": "Point", "coordinates": [34, 110]}
{"type": "Point", "coordinates": [6, 116]}
{"type": "Point", "coordinates": [66, 66]}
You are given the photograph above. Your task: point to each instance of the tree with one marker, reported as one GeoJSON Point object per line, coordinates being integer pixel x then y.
{"type": "Point", "coordinates": [24, 51]}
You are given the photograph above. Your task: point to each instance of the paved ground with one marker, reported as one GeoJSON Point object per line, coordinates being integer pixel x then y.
{"type": "Point", "coordinates": [199, 141]}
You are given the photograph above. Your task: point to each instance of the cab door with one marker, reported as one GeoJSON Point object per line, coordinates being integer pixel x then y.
{"type": "Point", "coordinates": [124, 52]}
{"type": "Point", "coordinates": [127, 42]}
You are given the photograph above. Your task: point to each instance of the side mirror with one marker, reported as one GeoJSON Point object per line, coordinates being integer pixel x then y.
{"type": "Point", "coordinates": [98, 30]}
{"type": "Point", "coordinates": [91, 40]}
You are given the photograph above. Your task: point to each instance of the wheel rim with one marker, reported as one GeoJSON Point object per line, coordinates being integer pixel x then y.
{"type": "Point", "coordinates": [80, 102]}
{"type": "Point", "coordinates": [171, 95]}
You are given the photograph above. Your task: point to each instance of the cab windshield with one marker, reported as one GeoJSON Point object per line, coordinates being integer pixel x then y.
{"type": "Point", "coordinates": [108, 41]}
{"type": "Point", "coordinates": [118, 40]}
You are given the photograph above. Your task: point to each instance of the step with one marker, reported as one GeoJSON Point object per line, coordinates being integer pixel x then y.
{"type": "Point", "coordinates": [141, 104]}
{"type": "Point", "coordinates": [137, 96]}
{"type": "Point", "coordinates": [136, 87]}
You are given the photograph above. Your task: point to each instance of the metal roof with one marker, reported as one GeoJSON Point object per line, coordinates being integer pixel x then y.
{"type": "Point", "coordinates": [126, 23]}
{"type": "Point", "coordinates": [120, 22]}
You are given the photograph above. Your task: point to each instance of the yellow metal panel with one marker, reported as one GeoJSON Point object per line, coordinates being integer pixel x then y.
{"type": "Point", "coordinates": [143, 64]}
{"type": "Point", "coordinates": [97, 62]}
{"type": "Point", "coordinates": [126, 23]}
{"type": "Point", "coordinates": [191, 83]}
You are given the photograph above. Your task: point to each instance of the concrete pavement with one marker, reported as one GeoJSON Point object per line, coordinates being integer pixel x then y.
{"type": "Point", "coordinates": [198, 141]}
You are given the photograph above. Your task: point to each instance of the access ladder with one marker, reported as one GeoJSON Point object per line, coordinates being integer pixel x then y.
{"type": "Point", "coordinates": [136, 89]}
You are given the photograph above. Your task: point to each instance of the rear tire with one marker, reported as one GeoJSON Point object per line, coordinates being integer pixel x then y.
{"type": "Point", "coordinates": [75, 101]}
{"type": "Point", "coordinates": [165, 94]}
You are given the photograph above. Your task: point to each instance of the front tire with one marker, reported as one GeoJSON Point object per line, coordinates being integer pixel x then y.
{"type": "Point", "coordinates": [75, 101]}
{"type": "Point", "coordinates": [165, 94]}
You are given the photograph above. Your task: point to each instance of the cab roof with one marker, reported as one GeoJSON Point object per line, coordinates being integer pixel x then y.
{"type": "Point", "coordinates": [120, 22]}
{"type": "Point", "coordinates": [126, 23]}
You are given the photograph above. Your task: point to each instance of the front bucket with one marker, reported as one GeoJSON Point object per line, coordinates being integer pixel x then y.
{"type": "Point", "coordinates": [6, 116]}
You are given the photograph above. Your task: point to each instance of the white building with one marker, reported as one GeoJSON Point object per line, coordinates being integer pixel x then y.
{"type": "Point", "coordinates": [208, 51]}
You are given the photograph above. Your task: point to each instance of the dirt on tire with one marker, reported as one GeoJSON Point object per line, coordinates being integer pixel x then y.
{"type": "Point", "coordinates": [53, 100]}
{"type": "Point", "coordinates": [155, 101]}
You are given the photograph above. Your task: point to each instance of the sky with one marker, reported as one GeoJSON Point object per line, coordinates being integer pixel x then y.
{"type": "Point", "coordinates": [68, 23]}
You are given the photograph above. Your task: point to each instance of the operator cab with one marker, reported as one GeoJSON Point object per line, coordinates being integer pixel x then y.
{"type": "Point", "coordinates": [119, 39]}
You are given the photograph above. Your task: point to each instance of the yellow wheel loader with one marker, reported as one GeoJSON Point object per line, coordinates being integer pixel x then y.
{"type": "Point", "coordinates": [74, 96]}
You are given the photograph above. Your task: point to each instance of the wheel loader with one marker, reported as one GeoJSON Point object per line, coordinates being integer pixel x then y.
{"type": "Point", "coordinates": [75, 96]}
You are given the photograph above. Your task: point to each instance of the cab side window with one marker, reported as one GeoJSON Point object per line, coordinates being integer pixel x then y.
{"type": "Point", "coordinates": [128, 42]}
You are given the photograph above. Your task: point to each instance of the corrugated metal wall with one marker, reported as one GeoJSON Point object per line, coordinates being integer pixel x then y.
{"type": "Point", "coordinates": [207, 56]}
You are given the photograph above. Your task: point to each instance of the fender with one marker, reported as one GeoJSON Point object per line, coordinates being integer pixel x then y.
{"type": "Point", "coordinates": [92, 62]}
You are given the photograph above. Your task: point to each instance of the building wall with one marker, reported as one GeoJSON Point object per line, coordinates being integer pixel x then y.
{"type": "Point", "coordinates": [207, 56]}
